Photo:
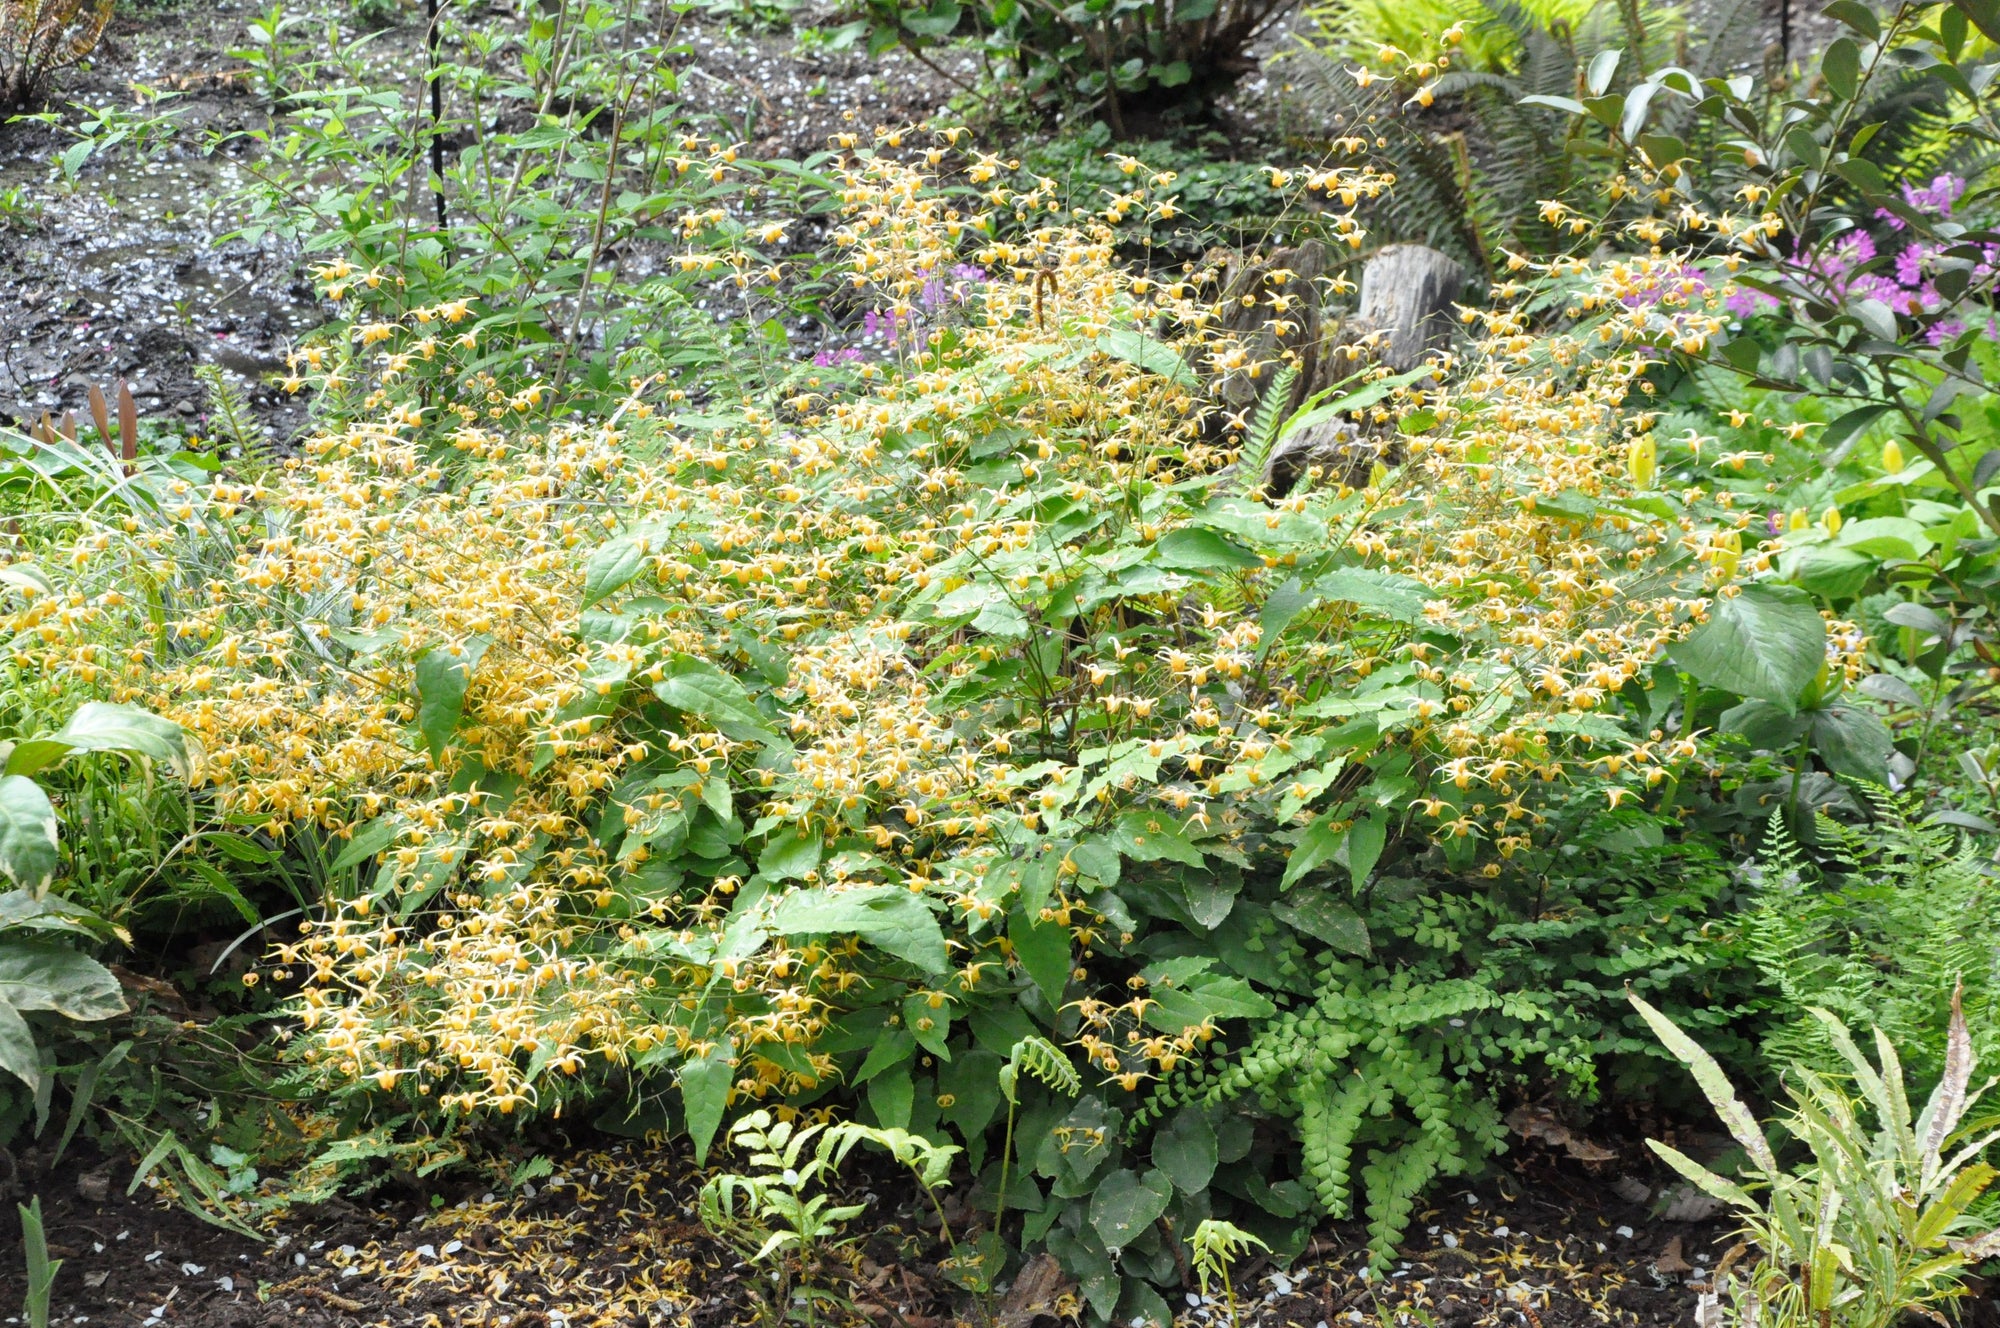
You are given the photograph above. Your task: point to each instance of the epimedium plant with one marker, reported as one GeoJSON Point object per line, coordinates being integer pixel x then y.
{"type": "Point", "coordinates": [829, 749]}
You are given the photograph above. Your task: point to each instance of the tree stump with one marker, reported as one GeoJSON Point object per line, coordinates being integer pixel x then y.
{"type": "Point", "coordinates": [1406, 314]}
{"type": "Point", "coordinates": [1407, 294]}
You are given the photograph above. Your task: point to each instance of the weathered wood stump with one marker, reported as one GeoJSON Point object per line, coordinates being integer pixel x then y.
{"type": "Point", "coordinates": [1406, 314]}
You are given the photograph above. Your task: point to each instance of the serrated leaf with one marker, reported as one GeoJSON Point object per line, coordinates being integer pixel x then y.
{"type": "Point", "coordinates": [1186, 1150]}
{"type": "Point", "coordinates": [698, 688]}
{"type": "Point", "coordinates": [704, 1085]}
{"type": "Point", "coordinates": [1317, 845]}
{"type": "Point", "coordinates": [886, 916]}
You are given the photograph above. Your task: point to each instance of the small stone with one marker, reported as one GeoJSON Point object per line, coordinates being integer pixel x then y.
{"type": "Point", "coordinates": [1625, 1232]}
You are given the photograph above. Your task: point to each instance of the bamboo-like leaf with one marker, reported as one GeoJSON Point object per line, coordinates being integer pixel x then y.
{"type": "Point", "coordinates": [1715, 1085]}
{"type": "Point", "coordinates": [1949, 1206]}
{"type": "Point", "coordinates": [1719, 1187]}
{"type": "Point", "coordinates": [1947, 1103]}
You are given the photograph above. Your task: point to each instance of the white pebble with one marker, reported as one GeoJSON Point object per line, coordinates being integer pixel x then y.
{"type": "Point", "coordinates": [1626, 1232]}
{"type": "Point", "coordinates": [1450, 1241]}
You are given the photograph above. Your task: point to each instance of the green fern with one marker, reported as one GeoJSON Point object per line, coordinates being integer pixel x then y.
{"type": "Point", "coordinates": [1041, 1060]}
{"type": "Point", "coordinates": [238, 427]}
{"type": "Point", "coordinates": [1904, 910]}
{"type": "Point", "coordinates": [1387, 1080]}
{"type": "Point", "coordinates": [1272, 413]}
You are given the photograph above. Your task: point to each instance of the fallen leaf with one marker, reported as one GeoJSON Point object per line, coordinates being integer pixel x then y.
{"type": "Point", "coordinates": [1670, 1263]}
{"type": "Point", "coordinates": [1535, 1122]}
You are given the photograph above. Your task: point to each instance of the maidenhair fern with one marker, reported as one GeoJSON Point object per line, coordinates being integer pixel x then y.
{"type": "Point", "coordinates": [1387, 1078]}
{"type": "Point", "coordinates": [1903, 911]}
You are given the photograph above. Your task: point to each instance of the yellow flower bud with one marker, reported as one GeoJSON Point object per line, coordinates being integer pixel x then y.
{"type": "Point", "coordinates": [1798, 520]}
{"type": "Point", "coordinates": [1830, 519]}
{"type": "Point", "coordinates": [1642, 460]}
{"type": "Point", "coordinates": [1892, 457]}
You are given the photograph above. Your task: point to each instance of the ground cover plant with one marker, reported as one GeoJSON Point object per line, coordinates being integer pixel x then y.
{"type": "Point", "coordinates": [958, 741]}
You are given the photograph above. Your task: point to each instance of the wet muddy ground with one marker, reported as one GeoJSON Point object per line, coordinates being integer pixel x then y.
{"type": "Point", "coordinates": [124, 270]}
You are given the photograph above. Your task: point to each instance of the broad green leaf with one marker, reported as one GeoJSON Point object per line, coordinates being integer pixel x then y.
{"type": "Point", "coordinates": [891, 1048]}
{"type": "Point", "coordinates": [612, 565]}
{"type": "Point", "coordinates": [1197, 549]}
{"type": "Point", "coordinates": [17, 1048]}
{"type": "Point", "coordinates": [1767, 642]}
{"type": "Point", "coordinates": [1154, 836]}
{"type": "Point", "coordinates": [366, 842]}
{"type": "Point", "coordinates": [100, 727]}
{"type": "Point", "coordinates": [892, 1095]}
{"type": "Point", "coordinates": [1317, 845]}
{"type": "Point", "coordinates": [1365, 840]}
{"type": "Point", "coordinates": [929, 1024]}
{"type": "Point", "coordinates": [1043, 947]}
{"type": "Point", "coordinates": [1325, 919]}
{"type": "Point", "coordinates": [28, 854]}
{"type": "Point", "coordinates": [1186, 1150]}
{"type": "Point", "coordinates": [700, 689]}
{"type": "Point", "coordinates": [705, 1084]}
{"type": "Point", "coordinates": [444, 674]}
{"type": "Point", "coordinates": [886, 916]}
{"type": "Point", "coordinates": [1384, 594]}
{"type": "Point", "coordinates": [1985, 15]}
{"type": "Point", "coordinates": [47, 975]}
{"type": "Point", "coordinates": [790, 853]}
{"type": "Point", "coordinates": [1852, 742]}
{"type": "Point", "coordinates": [1127, 1204]}
{"type": "Point", "coordinates": [1149, 353]}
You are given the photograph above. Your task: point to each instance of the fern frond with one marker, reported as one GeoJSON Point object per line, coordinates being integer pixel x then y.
{"type": "Point", "coordinates": [1272, 412]}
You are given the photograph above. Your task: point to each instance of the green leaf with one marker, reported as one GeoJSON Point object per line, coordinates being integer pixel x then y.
{"type": "Point", "coordinates": [1317, 845]}
{"type": "Point", "coordinates": [1767, 642]}
{"type": "Point", "coordinates": [892, 1095]}
{"type": "Point", "coordinates": [891, 1048]}
{"type": "Point", "coordinates": [705, 1087]}
{"type": "Point", "coordinates": [1325, 919]}
{"type": "Point", "coordinates": [1602, 66]}
{"type": "Point", "coordinates": [1127, 1204]}
{"type": "Point", "coordinates": [1186, 1150]}
{"type": "Point", "coordinates": [700, 689]}
{"type": "Point", "coordinates": [1043, 947]}
{"type": "Point", "coordinates": [47, 975]}
{"type": "Point", "coordinates": [1195, 549]}
{"type": "Point", "coordinates": [1852, 742]}
{"type": "Point", "coordinates": [790, 853]}
{"type": "Point", "coordinates": [612, 565]}
{"type": "Point", "coordinates": [1397, 598]}
{"type": "Point", "coordinates": [366, 842]}
{"type": "Point", "coordinates": [886, 916]}
{"type": "Point", "coordinates": [1365, 840]}
{"type": "Point", "coordinates": [1149, 353]}
{"type": "Point", "coordinates": [1154, 836]}
{"type": "Point", "coordinates": [28, 854]}
{"type": "Point", "coordinates": [917, 1009]}
{"type": "Point", "coordinates": [1842, 66]}
{"type": "Point", "coordinates": [98, 726]}
{"type": "Point", "coordinates": [1985, 15]}
{"type": "Point", "coordinates": [443, 677]}
{"type": "Point", "coordinates": [17, 1048]}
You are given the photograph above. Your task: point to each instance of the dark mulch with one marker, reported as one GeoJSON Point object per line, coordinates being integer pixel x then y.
{"type": "Point", "coordinates": [609, 1237]}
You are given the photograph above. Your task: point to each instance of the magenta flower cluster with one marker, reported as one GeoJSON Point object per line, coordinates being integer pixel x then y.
{"type": "Point", "coordinates": [1844, 271]}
